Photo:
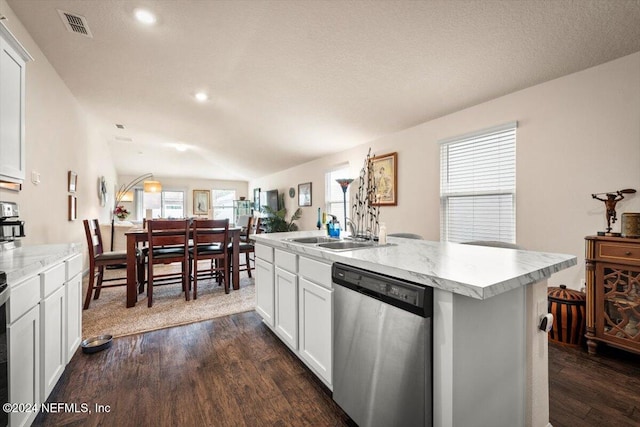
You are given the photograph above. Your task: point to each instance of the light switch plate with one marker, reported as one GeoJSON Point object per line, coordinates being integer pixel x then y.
{"type": "Point", "coordinates": [35, 177]}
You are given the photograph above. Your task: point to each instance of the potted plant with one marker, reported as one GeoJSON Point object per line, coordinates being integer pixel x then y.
{"type": "Point", "coordinates": [275, 221]}
{"type": "Point", "coordinates": [121, 212]}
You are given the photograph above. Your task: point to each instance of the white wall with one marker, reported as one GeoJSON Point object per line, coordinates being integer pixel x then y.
{"type": "Point", "coordinates": [59, 138]}
{"type": "Point", "coordinates": [187, 185]}
{"type": "Point", "coordinates": [577, 135]}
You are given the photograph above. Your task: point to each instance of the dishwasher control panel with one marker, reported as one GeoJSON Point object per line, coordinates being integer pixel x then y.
{"type": "Point", "coordinates": [405, 294]}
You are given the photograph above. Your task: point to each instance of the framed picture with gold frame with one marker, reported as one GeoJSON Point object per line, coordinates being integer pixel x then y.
{"type": "Point", "coordinates": [201, 202]}
{"type": "Point", "coordinates": [385, 177]}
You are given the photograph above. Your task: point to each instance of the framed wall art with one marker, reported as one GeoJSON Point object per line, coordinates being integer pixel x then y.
{"type": "Point", "coordinates": [304, 194]}
{"type": "Point", "coordinates": [385, 177]}
{"type": "Point", "coordinates": [72, 181]}
{"type": "Point", "coordinates": [201, 202]}
{"type": "Point", "coordinates": [73, 208]}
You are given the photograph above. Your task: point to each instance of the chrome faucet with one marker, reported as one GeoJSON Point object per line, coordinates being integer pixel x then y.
{"type": "Point", "coordinates": [352, 228]}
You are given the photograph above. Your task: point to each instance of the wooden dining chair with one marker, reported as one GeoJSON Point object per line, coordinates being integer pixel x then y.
{"type": "Point", "coordinates": [168, 243]}
{"type": "Point", "coordinates": [99, 259]}
{"type": "Point", "coordinates": [210, 237]}
{"type": "Point", "coordinates": [246, 245]}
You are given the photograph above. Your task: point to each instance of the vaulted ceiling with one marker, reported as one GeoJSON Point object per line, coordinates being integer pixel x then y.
{"type": "Point", "coordinates": [290, 81]}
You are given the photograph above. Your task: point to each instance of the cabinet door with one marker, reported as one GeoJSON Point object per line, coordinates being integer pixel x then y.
{"type": "Point", "coordinates": [12, 79]}
{"type": "Point", "coordinates": [265, 293]}
{"type": "Point", "coordinates": [617, 305]}
{"type": "Point", "coordinates": [287, 307]}
{"type": "Point", "coordinates": [53, 319]}
{"type": "Point", "coordinates": [315, 304]}
{"type": "Point", "coordinates": [73, 295]}
{"type": "Point", "coordinates": [24, 364]}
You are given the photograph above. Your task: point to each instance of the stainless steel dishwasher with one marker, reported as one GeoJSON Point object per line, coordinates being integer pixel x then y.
{"type": "Point", "coordinates": [382, 348]}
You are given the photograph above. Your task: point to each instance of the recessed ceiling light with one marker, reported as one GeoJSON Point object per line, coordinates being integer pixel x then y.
{"type": "Point", "coordinates": [181, 147]}
{"type": "Point", "coordinates": [145, 16]}
{"type": "Point", "coordinates": [201, 96]}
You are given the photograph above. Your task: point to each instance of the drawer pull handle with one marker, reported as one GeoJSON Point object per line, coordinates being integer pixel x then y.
{"type": "Point", "coordinates": [627, 253]}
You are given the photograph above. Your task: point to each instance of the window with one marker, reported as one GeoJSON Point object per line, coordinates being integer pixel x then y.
{"type": "Point", "coordinates": [478, 186]}
{"type": "Point", "coordinates": [165, 204]}
{"type": "Point", "coordinates": [334, 197]}
{"type": "Point", "coordinates": [223, 204]}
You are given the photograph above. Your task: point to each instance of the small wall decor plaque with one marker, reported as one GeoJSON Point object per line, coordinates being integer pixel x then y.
{"type": "Point", "coordinates": [73, 207]}
{"type": "Point", "coordinates": [72, 181]}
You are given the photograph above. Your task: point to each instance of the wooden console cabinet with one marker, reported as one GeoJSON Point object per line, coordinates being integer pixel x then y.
{"type": "Point", "coordinates": [613, 292]}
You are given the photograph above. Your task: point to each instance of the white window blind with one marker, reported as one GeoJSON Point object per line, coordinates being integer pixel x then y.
{"type": "Point", "coordinates": [166, 204]}
{"type": "Point", "coordinates": [223, 203]}
{"type": "Point", "coordinates": [334, 197]}
{"type": "Point", "coordinates": [478, 186]}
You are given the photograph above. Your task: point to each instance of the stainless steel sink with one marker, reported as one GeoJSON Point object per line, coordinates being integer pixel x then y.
{"type": "Point", "coordinates": [347, 245]}
{"type": "Point", "coordinates": [314, 240]}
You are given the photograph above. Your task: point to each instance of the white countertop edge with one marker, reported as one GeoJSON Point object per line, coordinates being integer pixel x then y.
{"type": "Point", "coordinates": [21, 263]}
{"type": "Point", "coordinates": [417, 266]}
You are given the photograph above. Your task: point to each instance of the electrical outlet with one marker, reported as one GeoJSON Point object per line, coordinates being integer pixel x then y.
{"type": "Point", "coordinates": [583, 285]}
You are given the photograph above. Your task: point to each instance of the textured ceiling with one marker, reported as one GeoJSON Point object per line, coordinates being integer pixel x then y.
{"type": "Point", "coordinates": [290, 81]}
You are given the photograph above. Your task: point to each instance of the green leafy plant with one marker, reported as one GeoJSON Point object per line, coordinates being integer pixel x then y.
{"type": "Point", "coordinates": [276, 221]}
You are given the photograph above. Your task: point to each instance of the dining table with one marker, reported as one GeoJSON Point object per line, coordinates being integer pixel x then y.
{"type": "Point", "coordinates": [137, 235]}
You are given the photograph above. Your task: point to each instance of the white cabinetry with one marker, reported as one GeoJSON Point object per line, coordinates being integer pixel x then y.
{"type": "Point", "coordinates": [12, 100]}
{"type": "Point", "coordinates": [53, 321]}
{"type": "Point", "coordinates": [287, 307]}
{"type": "Point", "coordinates": [73, 295]}
{"type": "Point", "coordinates": [23, 330]}
{"type": "Point", "coordinates": [286, 285]}
{"type": "Point", "coordinates": [316, 317]}
{"type": "Point", "coordinates": [294, 296]}
{"type": "Point", "coordinates": [265, 292]}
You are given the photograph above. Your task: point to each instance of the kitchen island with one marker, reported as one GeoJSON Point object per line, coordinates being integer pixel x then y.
{"type": "Point", "coordinates": [489, 357]}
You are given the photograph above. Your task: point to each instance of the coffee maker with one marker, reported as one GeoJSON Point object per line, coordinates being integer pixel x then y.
{"type": "Point", "coordinates": [11, 228]}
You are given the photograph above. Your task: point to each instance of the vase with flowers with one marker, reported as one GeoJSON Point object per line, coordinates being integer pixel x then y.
{"type": "Point", "coordinates": [121, 212]}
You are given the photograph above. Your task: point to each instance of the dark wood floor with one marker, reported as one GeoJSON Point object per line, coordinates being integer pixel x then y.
{"type": "Point", "coordinates": [229, 371]}
{"type": "Point", "coordinates": [600, 390]}
{"type": "Point", "coordinates": [232, 371]}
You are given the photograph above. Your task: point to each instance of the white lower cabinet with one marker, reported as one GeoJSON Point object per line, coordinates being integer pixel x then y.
{"type": "Point", "coordinates": [316, 320]}
{"type": "Point", "coordinates": [53, 340]}
{"type": "Point", "coordinates": [73, 295]}
{"type": "Point", "coordinates": [24, 364]}
{"type": "Point", "coordinates": [294, 297]}
{"type": "Point", "coordinates": [265, 292]}
{"type": "Point", "coordinates": [44, 329]}
{"type": "Point", "coordinates": [286, 284]}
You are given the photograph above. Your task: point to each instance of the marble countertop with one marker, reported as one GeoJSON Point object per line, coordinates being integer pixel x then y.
{"type": "Point", "coordinates": [476, 271]}
{"type": "Point", "coordinates": [20, 263]}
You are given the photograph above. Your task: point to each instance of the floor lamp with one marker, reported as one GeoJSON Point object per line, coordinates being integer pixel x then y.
{"type": "Point", "coordinates": [344, 184]}
{"type": "Point", "coordinates": [120, 195]}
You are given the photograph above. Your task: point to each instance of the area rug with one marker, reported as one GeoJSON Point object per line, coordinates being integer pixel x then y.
{"type": "Point", "coordinates": [109, 315]}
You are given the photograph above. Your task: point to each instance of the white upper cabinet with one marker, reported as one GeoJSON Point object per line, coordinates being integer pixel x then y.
{"type": "Point", "coordinates": [13, 58]}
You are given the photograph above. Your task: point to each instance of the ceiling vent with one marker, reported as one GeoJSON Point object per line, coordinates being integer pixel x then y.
{"type": "Point", "coordinates": [75, 23]}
